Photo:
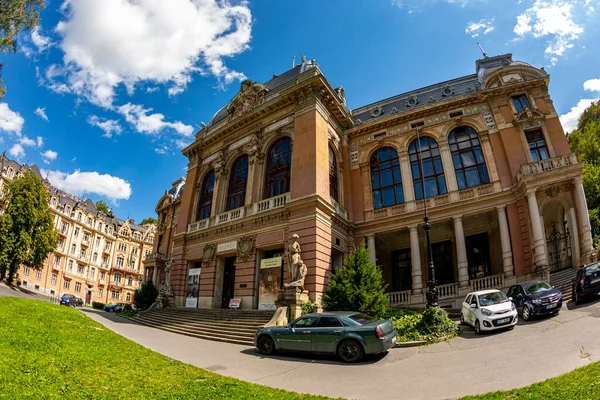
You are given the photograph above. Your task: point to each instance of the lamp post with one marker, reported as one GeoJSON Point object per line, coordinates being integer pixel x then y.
{"type": "Point", "coordinates": [432, 291]}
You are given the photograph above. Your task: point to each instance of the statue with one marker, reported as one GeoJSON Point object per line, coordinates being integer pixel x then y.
{"type": "Point", "coordinates": [168, 266]}
{"type": "Point", "coordinates": [164, 289]}
{"type": "Point", "coordinates": [297, 267]}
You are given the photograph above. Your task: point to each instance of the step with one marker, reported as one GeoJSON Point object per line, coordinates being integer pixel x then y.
{"type": "Point", "coordinates": [246, 322]}
{"type": "Point", "coordinates": [203, 325]}
{"type": "Point", "coordinates": [229, 316]}
{"type": "Point", "coordinates": [216, 332]}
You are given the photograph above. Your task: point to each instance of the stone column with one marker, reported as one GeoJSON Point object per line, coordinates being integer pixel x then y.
{"type": "Point", "coordinates": [449, 174]}
{"type": "Point", "coordinates": [574, 236]}
{"type": "Point", "coordinates": [407, 182]}
{"type": "Point", "coordinates": [415, 260]}
{"type": "Point", "coordinates": [461, 252]}
{"type": "Point", "coordinates": [536, 228]}
{"type": "Point", "coordinates": [371, 247]}
{"type": "Point", "coordinates": [251, 190]}
{"type": "Point", "coordinates": [583, 218]}
{"type": "Point", "coordinates": [507, 261]}
{"type": "Point", "coordinates": [155, 276]}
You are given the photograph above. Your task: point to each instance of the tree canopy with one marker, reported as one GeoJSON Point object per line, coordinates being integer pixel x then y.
{"type": "Point", "coordinates": [27, 231]}
{"type": "Point", "coordinates": [149, 221]}
{"type": "Point", "coordinates": [101, 206]}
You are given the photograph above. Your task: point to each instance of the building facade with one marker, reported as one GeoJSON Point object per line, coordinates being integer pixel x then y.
{"type": "Point", "coordinates": [485, 153]}
{"type": "Point", "coordinates": [98, 256]}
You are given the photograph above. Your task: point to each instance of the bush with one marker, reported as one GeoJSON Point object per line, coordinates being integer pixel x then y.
{"type": "Point", "coordinates": [127, 307]}
{"type": "Point", "coordinates": [357, 286]}
{"type": "Point", "coordinates": [431, 325]}
{"type": "Point", "coordinates": [308, 307]}
{"type": "Point", "coordinates": [98, 305]}
{"type": "Point", "coordinates": [145, 296]}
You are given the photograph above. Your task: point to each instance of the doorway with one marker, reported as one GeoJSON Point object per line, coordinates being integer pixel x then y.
{"type": "Point", "coordinates": [478, 255]}
{"type": "Point", "coordinates": [401, 271]}
{"type": "Point", "coordinates": [443, 263]}
{"type": "Point", "coordinates": [228, 282]}
{"type": "Point", "coordinates": [88, 296]}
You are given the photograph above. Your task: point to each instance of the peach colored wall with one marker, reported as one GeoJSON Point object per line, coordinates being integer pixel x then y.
{"type": "Point", "coordinates": [518, 222]}
{"type": "Point", "coordinates": [356, 195]}
{"type": "Point", "coordinates": [557, 135]}
{"type": "Point", "coordinates": [506, 178]}
{"type": "Point", "coordinates": [304, 166]}
{"type": "Point", "coordinates": [245, 273]}
{"type": "Point", "coordinates": [514, 150]}
{"type": "Point", "coordinates": [187, 200]}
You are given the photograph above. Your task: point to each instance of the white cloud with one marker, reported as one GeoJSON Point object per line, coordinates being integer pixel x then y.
{"type": "Point", "coordinates": [41, 112]}
{"type": "Point", "coordinates": [40, 41]}
{"type": "Point", "coordinates": [112, 42]}
{"type": "Point", "coordinates": [17, 151]}
{"type": "Point", "coordinates": [10, 121]}
{"type": "Point", "coordinates": [151, 124]}
{"type": "Point", "coordinates": [25, 141]}
{"type": "Point", "coordinates": [39, 141]}
{"type": "Point", "coordinates": [109, 126]}
{"type": "Point", "coordinates": [570, 120]}
{"type": "Point", "coordinates": [552, 19]}
{"type": "Point", "coordinates": [49, 155]}
{"type": "Point", "coordinates": [484, 27]}
{"type": "Point", "coordinates": [82, 183]}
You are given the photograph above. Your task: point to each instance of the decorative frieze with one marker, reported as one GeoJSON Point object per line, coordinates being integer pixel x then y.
{"type": "Point", "coordinates": [245, 248]}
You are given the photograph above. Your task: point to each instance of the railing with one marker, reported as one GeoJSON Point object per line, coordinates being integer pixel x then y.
{"type": "Point", "coordinates": [476, 192]}
{"type": "Point", "coordinates": [550, 164]}
{"type": "Point", "coordinates": [91, 279]}
{"type": "Point", "coordinates": [198, 225]}
{"type": "Point", "coordinates": [272, 203]}
{"type": "Point", "coordinates": [339, 209]}
{"type": "Point", "coordinates": [397, 298]}
{"type": "Point", "coordinates": [440, 200]}
{"type": "Point", "coordinates": [156, 256]}
{"type": "Point", "coordinates": [487, 282]}
{"type": "Point", "coordinates": [104, 266]}
{"type": "Point", "coordinates": [82, 257]}
{"type": "Point", "coordinates": [230, 215]}
{"type": "Point", "coordinates": [449, 290]}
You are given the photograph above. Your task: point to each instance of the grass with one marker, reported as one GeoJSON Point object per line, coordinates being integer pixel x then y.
{"type": "Point", "coordinates": [48, 351]}
{"type": "Point", "coordinates": [581, 384]}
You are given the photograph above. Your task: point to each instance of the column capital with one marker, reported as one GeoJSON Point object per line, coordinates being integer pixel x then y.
{"type": "Point", "coordinates": [501, 208]}
{"type": "Point", "coordinates": [578, 180]}
{"type": "Point", "coordinates": [531, 191]}
{"type": "Point", "coordinates": [457, 217]}
{"type": "Point", "coordinates": [413, 227]}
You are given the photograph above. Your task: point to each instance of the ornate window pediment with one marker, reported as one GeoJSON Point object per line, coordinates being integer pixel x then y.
{"type": "Point", "coordinates": [250, 96]}
{"type": "Point", "coordinates": [529, 118]}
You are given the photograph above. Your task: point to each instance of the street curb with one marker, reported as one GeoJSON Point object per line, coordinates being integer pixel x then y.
{"type": "Point", "coordinates": [416, 343]}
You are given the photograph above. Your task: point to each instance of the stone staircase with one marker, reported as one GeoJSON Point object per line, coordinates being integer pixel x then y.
{"type": "Point", "coordinates": [230, 326]}
{"type": "Point", "coordinates": [563, 281]}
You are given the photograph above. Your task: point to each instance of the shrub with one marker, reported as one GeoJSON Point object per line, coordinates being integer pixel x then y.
{"type": "Point", "coordinates": [308, 307]}
{"type": "Point", "coordinates": [98, 305]}
{"type": "Point", "coordinates": [430, 325]}
{"type": "Point", "coordinates": [357, 286]}
{"type": "Point", "coordinates": [145, 296]}
{"type": "Point", "coordinates": [127, 307]}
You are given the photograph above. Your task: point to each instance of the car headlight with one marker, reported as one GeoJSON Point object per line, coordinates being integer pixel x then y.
{"type": "Point", "coordinates": [537, 301]}
{"type": "Point", "coordinates": [486, 312]}
{"type": "Point", "coordinates": [512, 306]}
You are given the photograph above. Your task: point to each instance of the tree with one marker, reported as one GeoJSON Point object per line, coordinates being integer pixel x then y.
{"type": "Point", "coordinates": [145, 296]}
{"type": "Point", "coordinates": [149, 221]}
{"type": "Point", "coordinates": [16, 16]}
{"type": "Point", "coordinates": [357, 286]}
{"type": "Point", "coordinates": [101, 206]}
{"type": "Point", "coordinates": [27, 231]}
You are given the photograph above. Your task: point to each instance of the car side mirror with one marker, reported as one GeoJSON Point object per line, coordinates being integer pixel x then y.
{"type": "Point", "coordinates": [473, 305]}
{"type": "Point", "coordinates": [510, 299]}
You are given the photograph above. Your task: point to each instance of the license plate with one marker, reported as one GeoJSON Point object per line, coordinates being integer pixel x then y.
{"type": "Point", "coordinates": [503, 320]}
{"type": "Point", "coordinates": [551, 306]}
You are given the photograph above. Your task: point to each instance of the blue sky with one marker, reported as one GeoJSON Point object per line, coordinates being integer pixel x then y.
{"type": "Point", "coordinates": [104, 94]}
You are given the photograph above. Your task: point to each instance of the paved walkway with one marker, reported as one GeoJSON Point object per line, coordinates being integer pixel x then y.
{"type": "Point", "coordinates": [469, 364]}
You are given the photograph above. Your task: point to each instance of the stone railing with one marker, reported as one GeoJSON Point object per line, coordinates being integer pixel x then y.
{"type": "Point", "coordinates": [397, 298]}
{"type": "Point", "coordinates": [487, 282]}
{"type": "Point", "coordinates": [156, 256]}
{"type": "Point", "coordinates": [198, 225]}
{"type": "Point", "coordinates": [339, 209]}
{"type": "Point", "coordinates": [230, 216]}
{"type": "Point", "coordinates": [449, 290]}
{"type": "Point", "coordinates": [271, 204]}
{"type": "Point", "coordinates": [104, 266]}
{"type": "Point", "coordinates": [546, 165]}
{"type": "Point", "coordinates": [475, 192]}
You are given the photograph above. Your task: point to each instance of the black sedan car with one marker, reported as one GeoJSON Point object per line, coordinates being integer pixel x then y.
{"type": "Point", "coordinates": [535, 298]}
{"type": "Point", "coordinates": [587, 282]}
{"type": "Point", "coordinates": [69, 300]}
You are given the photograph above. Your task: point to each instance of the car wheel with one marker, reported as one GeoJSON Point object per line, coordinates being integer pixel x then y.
{"type": "Point", "coordinates": [526, 313]}
{"type": "Point", "coordinates": [350, 351]}
{"type": "Point", "coordinates": [576, 299]}
{"type": "Point", "coordinates": [477, 327]}
{"type": "Point", "coordinates": [462, 319]}
{"type": "Point", "coordinates": [266, 345]}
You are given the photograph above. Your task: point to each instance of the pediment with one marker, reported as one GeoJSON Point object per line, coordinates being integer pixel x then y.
{"type": "Point", "coordinates": [250, 96]}
{"type": "Point", "coordinates": [528, 115]}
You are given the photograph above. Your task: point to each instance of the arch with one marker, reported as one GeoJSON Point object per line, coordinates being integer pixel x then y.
{"type": "Point", "coordinates": [206, 196]}
{"type": "Point", "coordinates": [278, 168]}
{"type": "Point", "coordinates": [333, 175]}
{"type": "Point", "coordinates": [236, 192]}
{"type": "Point", "coordinates": [428, 153]}
{"type": "Point", "coordinates": [386, 180]}
{"type": "Point", "coordinates": [468, 159]}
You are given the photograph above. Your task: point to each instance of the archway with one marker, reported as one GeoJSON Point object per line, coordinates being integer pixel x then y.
{"type": "Point", "coordinates": [559, 238]}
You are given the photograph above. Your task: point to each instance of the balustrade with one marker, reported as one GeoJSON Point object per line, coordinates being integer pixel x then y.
{"type": "Point", "coordinates": [230, 216]}
{"type": "Point", "coordinates": [271, 203]}
{"type": "Point", "coordinates": [487, 282]}
{"type": "Point", "coordinates": [397, 298]}
{"type": "Point", "coordinates": [549, 164]}
{"type": "Point", "coordinates": [449, 290]}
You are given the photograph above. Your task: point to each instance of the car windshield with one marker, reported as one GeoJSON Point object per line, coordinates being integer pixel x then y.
{"type": "Point", "coordinates": [592, 270]}
{"type": "Point", "coordinates": [489, 299]}
{"type": "Point", "coordinates": [361, 318]}
{"type": "Point", "coordinates": [67, 296]}
{"type": "Point", "coordinates": [536, 287]}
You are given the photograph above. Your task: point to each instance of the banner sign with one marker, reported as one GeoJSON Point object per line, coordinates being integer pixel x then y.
{"type": "Point", "coordinates": [193, 286]}
{"type": "Point", "coordinates": [270, 278]}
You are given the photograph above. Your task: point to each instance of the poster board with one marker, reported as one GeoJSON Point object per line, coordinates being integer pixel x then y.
{"type": "Point", "coordinates": [193, 286]}
{"type": "Point", "coordinates": [269, 285]}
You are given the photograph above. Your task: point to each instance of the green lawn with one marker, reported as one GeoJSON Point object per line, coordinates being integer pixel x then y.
{"type": "Point", "coordinates": [49, 351]}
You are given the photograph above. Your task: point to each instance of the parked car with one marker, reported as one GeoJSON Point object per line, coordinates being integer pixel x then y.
{"type": "Point", "coordinates": [535, 298]}
{"type": "Point", "coordinates": [68, 300]}
{"type": "Point", "coordinates": [586, 283]}
{"type": "Point", "coordinates": [118, 307]}
{"type": "Point", "coordinates": [488, 310]}
{"type": "Point", "coordinates": [348, 334]}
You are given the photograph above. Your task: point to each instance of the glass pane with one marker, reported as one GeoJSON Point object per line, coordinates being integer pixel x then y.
{"type": "Point", "coordinates": [384, 165]}
{"type": "Point", "coordinates": [456, 159]}
{"type": "Point", "coordinates": [428, 167]}
{"type": "Point", "coordinates": [468, 158]}
{"type": "Point", "coordinates": [453, 147]}
{"type": "Point", "coordinates": [399, 194]}
{"type": "Point", "coordinates": [442, 184]}
{"type": "Point", "coordinates": [479, 155]}
{"type": "Point", "coordinates": [384, 155]}
{"type": "Point", "coordinates": [418, 190]}
{"type": "Point", "coordinates": [425, 154]}
{"type": "Point", "coordinates": [376, 199]}
{"type": "Point", "coordinates": [472, 177]}
{"type": "Point", "coordinates": [431, 187]}
{"type": "Point", "coordinates": [544, 153]}
{"type": "Point", "coordinates": [439, 169]}
{"type": "Point", "coordinates": [475, 141]}
{"type": "Point", "coordinates": [535, 156]}
{"type": "Point", "coordinates": [464, 145]}
{"type": "Point", "coordinates": [375, 181]}
{"type": "Point", "coordinates": [460, 178]}
{"type": "Point", "coordinates": [388, 197]}
{"type": "Point", "coordinates": [395, 162]}
{"type": "Point", "coordinates": [397, 176]}
{"type": "Point", "coordinates": [483, 174]}
{"type": "Point", "coordinates": [386, 178]}
{"type": "Point", "coordinates": [415, 170]}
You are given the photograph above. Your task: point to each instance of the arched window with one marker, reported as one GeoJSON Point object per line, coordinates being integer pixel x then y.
{"type": "Point", "coordinates": [385, 178]}
{"type": "Point", "coordinates": [467, 156]}
{"type": "Point", "coordinates": [206, 196]}
{"type": "Point", "coordinates": [333, 178]}
{"type": "Point", "coordinates": [277, 174]}
{"type": "Point", "coordinates": [237, 184]}
{"type": "Point", "coordinates": [433, 172]}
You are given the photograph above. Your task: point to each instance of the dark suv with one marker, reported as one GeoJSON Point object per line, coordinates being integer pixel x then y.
{"type": "Point", "coordinates": [535, 298]}
{"type": "Point", "coordinates": [587, 282]}
{"type": "Point", "coordinates": [68, 300]}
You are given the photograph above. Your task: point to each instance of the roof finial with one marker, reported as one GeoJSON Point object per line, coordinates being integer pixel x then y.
{"type": "Point", "coordinates": [482, 51]}
{"type": "Point", "coordinates": [293, 61]}
{"type": "Point", "coordinates": [303, 59]}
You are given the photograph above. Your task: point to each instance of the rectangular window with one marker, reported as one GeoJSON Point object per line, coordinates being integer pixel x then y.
{"type": "Point", "coordinates": [80, 269]}
{"type": "Point", "coordinates": [53, 279]}
{"type": "Point", "coordinates": [66, 284]}
{"type": "Point", "coordinates": [76, 233]}
{"type": "Point", "coordinates": [520, 102]}
{"type": "Point", "coordinates": [56, 260]}
{"type": "Point", "coordinates": [537, 145]}
{"type": "Point", "coordinates": [78, 287]}
{"type": "Point", "coordinates": [114, 295]}
{"type": "Point", "coordinates": [38, 275]}
{"type": "Point", "coordinates": [97, 241]}
{"type": "Point", "coordinates": [73, 248]}
{"type": "Point", "coordinates": [100, 292]}
{"type": "Point", "coordinates": [25, 270]}
{"type": "Point", "coordinates": [128, 297]}
{"type": "Point", "coordinates": [70, 266]}
{"type": "Point", "coordinates": [95, 257]}
{"type": "Point", "coordinates": [130, 282]}
{"type": "Point", "coordinates": [102, 275]}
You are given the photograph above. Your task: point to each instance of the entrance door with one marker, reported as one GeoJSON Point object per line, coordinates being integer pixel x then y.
{"type": "Point", "coordinates": [559, 250]}
{"type": "Point", "coordinates": [88, 297]}
{"type": "Point", "coordinates": [442, 261]}
{"type": "Point", "coordinates": [228, 281]}
{"type": "Point", "coordinates": [401, 271]}
{"type": "Point", "coordinates": [478, 255]}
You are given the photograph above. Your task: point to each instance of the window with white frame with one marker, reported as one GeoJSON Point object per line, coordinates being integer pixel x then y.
{"type": "Point", "coordinates": [73, 248]}
{"type": "Point", "coordinates": [100, 292]}
{"type": "Point", "coordinates": [128, 297]}
{"type": "Point", "coordinates": [38, 275]}
{"type": "Point", "coordinates": [26, 271]}
{"type": "Point", "coordinates": [76, 232]}
{"type": "Point", "coordinates": [80, 269]}
{"type": "Point", "coordinates": [114, 294]}
{"type": "Point", "coordinates": [102, 275]}
{"type": "Point", "coordinates": [95, 257]}
{"type": "Point", "coordinates": [56, 260]}
{"type": "Point", "coordinates": [70, 266]}
{"type": "Point", "coordinates": [120, 261]}
{"type": "Point", "coordinates": [130, 281]}
{"type": "Point", "coordinates": [77, 286]}
{"type": "Point", "coordinates": [117, 278]}
{"type": "Point", "coordinates": [78, 217]}
{"type": "Point", "coordinates": [66, 284]}
{"type": "Point", "coordinates": [53, 279]}
{"type": "Point", "coordinates": [97, 241]}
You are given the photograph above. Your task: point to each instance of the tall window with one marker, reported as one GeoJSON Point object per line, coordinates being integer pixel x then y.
{"type": "Point", "coordinates": [279, 161]}
{"type": "Point", "coordinates": [520, 102]}
{"type": "Point", "coordinates": [333, 178]}
{"type": "Point", "coordinates": [206, 196]}
{"type": "Point", "coordinates": [467, 156]}
{"type": "Point", "coordinates": [385, 178]}
{"type": "Point", "coordinates": [236, 194]}
{"type": "Point", "coordinates": [537, 145]}
{"type": "Point", "coordinates": [433, 172]}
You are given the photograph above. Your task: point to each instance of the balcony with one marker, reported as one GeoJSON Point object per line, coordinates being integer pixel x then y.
{"type": "Point", "coordinates": [156, 256]}
{"type": "Point", "coordinates": [230, 216]}
{"type": "Point", "coordinates": [85, 242]}
{"type": "Point", "coordinates": [550, 164]}
{"type": "Point", "coordinates": [63, 231]}
{"type": "Point", "coordinates": [198, 225]}
{"type": "Point", "coordinates": [339, 209]}
{"type": "Point", "coordinates": [91, 279]}
{"type": "Point", "coordinates": [271, 203]}
{"type": "Point", "coordinates": [487, 282]}
{"type": "Point", "coordinates": [105, 266]}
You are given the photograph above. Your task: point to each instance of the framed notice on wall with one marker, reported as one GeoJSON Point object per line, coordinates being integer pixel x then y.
{"type": "Point", "coordinates": [270, 278]}
{"type": "Point", "coordinates": [193, 286]}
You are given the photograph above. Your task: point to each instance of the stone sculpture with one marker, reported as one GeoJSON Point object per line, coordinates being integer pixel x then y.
{"type": "Point", "coordinates": [298, 269]}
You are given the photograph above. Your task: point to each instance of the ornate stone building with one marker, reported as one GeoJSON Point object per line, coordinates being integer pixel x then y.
{"type": "Point", "coordinates": [485, 151]}
{"type": "Point", "coordinates": [98, 256]}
